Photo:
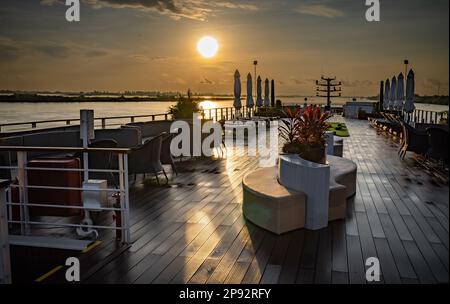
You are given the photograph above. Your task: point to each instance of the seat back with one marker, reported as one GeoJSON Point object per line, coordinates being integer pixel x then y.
{"type": "Point", "coordinates": [155, 145]}
{"type": "Point", "coordinates": [125, 137]}
{"type": "Point", "coordinates": [102, 160]}
{"type": "Point", "coordinates": [166, 154]}
{"type": "Point", "coordinates": [438, 144]}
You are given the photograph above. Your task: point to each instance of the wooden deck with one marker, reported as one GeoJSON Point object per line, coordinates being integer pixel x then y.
{"type": "Point", "coordinates": [194, 231]}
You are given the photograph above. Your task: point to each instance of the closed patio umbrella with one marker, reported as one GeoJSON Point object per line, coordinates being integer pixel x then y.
{"type": "Point", "coordinates": [400, 93]}
{"type": "Point", "coordinates": [259, 100]}
{"type": "Point", "coordinates": [387, 92]}
{"type": "Point", "coordinates": [249, 103]}
{"type": "Point", "coordinates": [393, 94]}
{"type": "Point", "coordinates": [409, 102]}
{"type": "Point", "coordinates": [266, 93]}
{"type": "Point", "coordinates": [237, 90]}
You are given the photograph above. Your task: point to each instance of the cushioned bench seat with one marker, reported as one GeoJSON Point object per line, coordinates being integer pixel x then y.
{"type": "Point", "coordinates": [271, 205]}
{"type": "Point", "coordinates": [278, 209]}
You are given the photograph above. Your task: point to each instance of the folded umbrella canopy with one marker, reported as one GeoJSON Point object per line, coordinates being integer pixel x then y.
{"type": "Point", "coordinates": [259, 100]}
{"type": "Point", "coordinates": [409, 102]}
{"type": "Point", "coordinates": [387, 92]}
{"type": "Point", "coordinates": [393, 94]}
{"type": "Point", "coordinates": [400, 93]}
{"type": "Point", "coordinates": [237, 90]}
{"type": "Point", "coordinates": [249, 103]}
{"type": "Point", "coordinates": [266, 93]}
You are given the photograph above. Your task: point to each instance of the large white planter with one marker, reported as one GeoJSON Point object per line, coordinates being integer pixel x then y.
{"type": "Point", "coordinates": [313, 179]}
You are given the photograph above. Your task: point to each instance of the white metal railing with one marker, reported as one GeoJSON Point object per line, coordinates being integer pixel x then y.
{"type": "Point", "coordinates": [9, 224]}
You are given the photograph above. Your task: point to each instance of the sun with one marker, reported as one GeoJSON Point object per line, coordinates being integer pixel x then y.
{"type": "Point", "coordinates": [207, 46]}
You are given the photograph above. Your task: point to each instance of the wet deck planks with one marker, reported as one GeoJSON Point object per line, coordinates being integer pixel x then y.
{"type": "Point", "coordinates": [194, 231]}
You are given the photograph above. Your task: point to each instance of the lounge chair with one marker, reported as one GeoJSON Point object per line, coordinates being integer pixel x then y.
{"type": "Point", "coordinates": [414, 141]}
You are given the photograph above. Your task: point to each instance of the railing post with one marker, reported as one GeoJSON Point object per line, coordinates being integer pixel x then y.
{"type": "Point", "coordinates": [23, 192]}
{"type": "Point", "coordinates": [33, 125]}
{"type": "Point", "coordinates": [153, 117]}
{"type": "Point", "coordinates": [5, 261]}
{"type": "Point", "coordinates": [124, 198]}
{"type": "Point", "coordinates": [132, 119]}
{"type": "Point", "coordinates": [216, 115]}
{"type": "Point", "coordinates": [165, 116]}
{"type": "Point", "coordinates": [226, 113]}
{"type": "Point", "coordinates": [103, 123]}
{"type": "Point", "coordinates": [67, 122]}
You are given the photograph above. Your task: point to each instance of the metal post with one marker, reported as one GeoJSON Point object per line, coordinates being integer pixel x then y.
{"type": "Point", "coordinates": [124, 204]}
{"type": "Point", "coordinates": [86, 134]}
{"type": "Point", "coordinates": [23, 192]}
{"type": "Point", "coordinates": [103, 123]}
{"type": "Point", "coordinates": [5, 261]}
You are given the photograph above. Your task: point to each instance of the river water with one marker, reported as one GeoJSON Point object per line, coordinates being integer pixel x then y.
{"type": "Point", "coordinates": [21, 112]}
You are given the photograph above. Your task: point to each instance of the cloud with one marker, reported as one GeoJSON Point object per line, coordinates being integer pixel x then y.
{"type": "Point", "coordinates": [9, 50]}
{"type": "Point", "coordinates": [145, 58]}
{"type": "Point", "coordinates": [357, 83]}
{"type": "Point", "coordinates": [96, 53]}
{"type": "Point", "coordinates": [432, 83]}
{"type": "Point", "coordinates": [206, 81]}
{"type": "Point", "coordinates": [56, 51]}
{"type": "Point", "coordinates": [49, 2]}
{"type": "Point", "coordinates": [301, 81]}
{"type": "Point", "coordinates": [319, 10]}
{"type": "Point", "coordinates": [296, 81]}
{"type": "Point", "coordinates": [175, 9]}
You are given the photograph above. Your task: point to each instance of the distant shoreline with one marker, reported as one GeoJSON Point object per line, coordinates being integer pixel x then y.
{"type": "Point", "coordinates": [80, 99]}
{"type": "Point", "coordinates": [36, 98]}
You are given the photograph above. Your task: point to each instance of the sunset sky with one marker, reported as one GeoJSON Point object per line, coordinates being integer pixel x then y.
{"type": "Point", "coordinates": [151, 45]}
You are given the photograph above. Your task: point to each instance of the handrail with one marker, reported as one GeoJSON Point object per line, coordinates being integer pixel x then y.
{"type": "Point", "coordinates": [78, 119]}
{"type": "Point", "coordinates": [65, 149]}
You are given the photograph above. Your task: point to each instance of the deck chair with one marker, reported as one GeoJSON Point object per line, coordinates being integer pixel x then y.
{"type": "Point", "coordinates": [146, 158]}
{"type": "Point", "coordinates": [166, 154]}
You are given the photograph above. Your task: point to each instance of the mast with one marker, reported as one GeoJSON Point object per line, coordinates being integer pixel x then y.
{"type": "Point", "coordinates": [328, 87]}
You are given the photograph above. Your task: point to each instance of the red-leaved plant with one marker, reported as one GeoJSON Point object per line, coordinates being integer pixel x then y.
{"type": "Point", "coordinates": [304, 133]}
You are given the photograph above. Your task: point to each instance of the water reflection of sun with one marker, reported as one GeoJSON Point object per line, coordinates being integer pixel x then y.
{"type": "Point", "coordinates": [208, 104]}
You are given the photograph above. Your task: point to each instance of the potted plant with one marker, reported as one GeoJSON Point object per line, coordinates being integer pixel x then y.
{"type": "Point", "coordinates": [306, 169]}
{"type": "Point", "coordinates": [304, 133]}
{"type": "Point", "coordinates": [185, 107]}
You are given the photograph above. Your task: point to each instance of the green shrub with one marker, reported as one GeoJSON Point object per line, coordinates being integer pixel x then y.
{"type": "Point", "coordinates": [185, 107]}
